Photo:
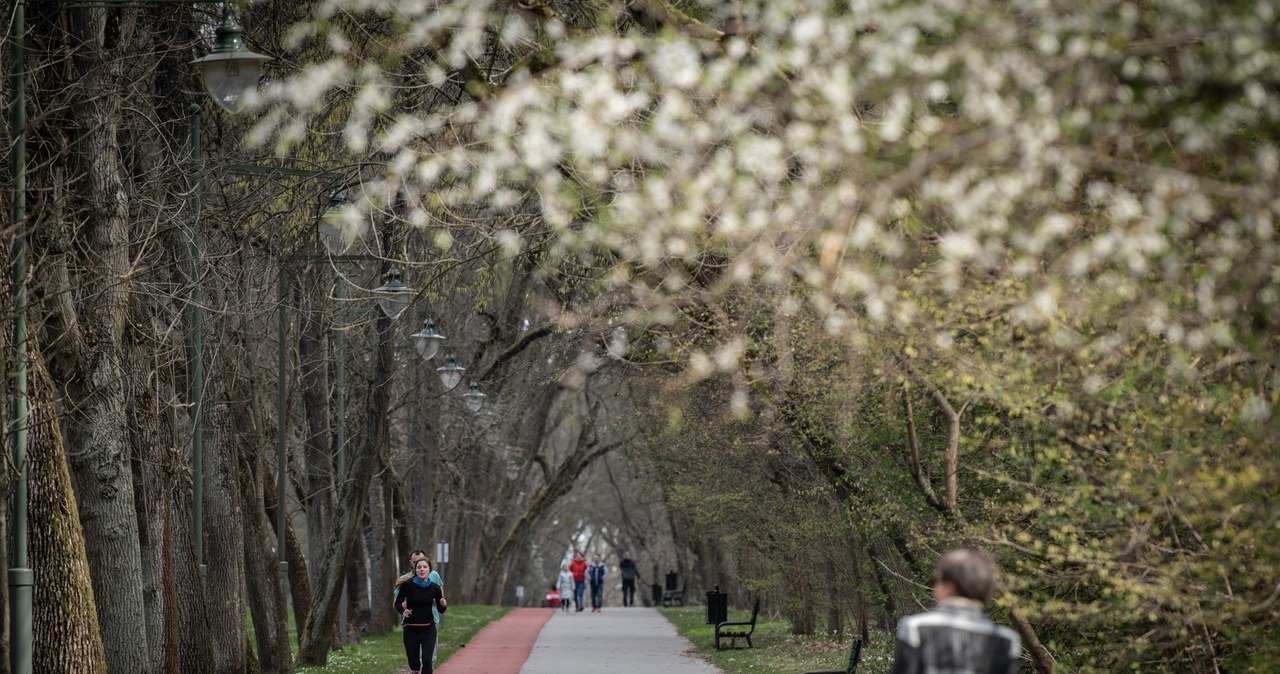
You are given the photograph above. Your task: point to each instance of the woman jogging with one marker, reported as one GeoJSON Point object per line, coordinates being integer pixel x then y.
{"type": "Point", "coordinates": [415, 601]}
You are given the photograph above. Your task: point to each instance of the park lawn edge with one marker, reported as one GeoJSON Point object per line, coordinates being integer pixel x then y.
{"type": "Point", "coordinates": [383, 653]}
{"type": "Point", "coordinates": [776, 650]}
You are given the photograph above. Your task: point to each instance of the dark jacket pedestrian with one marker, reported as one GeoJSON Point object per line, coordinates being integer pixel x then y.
{"type": "Point", "coordinates": [595, 575]}
{"type": "Point", "coordinates": [957, 637]}
{"type": "Point", "coordinates": [627, 571]}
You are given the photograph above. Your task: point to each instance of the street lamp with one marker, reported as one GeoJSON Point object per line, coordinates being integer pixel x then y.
{"type": "Point", "coordinates": [450, 373]}
{"type": "Point", "coordinates": [337, 231]}
{"type": "Point", "coordinates": [229, 70]}
{"type": "Point", "coordinates": [475, 398]}
{"type": "Point", "coordinates": [428, 340]}
{"type": "Point", "coordinates": [393, 295]}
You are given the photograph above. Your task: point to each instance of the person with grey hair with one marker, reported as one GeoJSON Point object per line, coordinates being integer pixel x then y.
{"type": "Point", "coordinates": [957, 637]}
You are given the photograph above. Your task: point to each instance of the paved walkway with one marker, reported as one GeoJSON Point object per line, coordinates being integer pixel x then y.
{"type": "Point", "coordinates": [615, 641]}
{"type": "Point", "coordinates": [542, 641]}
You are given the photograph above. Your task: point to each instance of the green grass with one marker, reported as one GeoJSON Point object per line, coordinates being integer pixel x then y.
{"type": "Point", "coordinates": [383, 653]}
{"type": "Point", "coordinates": [776, 650]}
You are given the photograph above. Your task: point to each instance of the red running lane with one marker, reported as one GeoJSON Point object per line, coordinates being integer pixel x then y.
{"type": "Point", "coordinates": [502, 646]}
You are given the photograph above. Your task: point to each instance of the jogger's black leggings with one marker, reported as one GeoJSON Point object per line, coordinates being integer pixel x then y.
{"type": "Point", "coordinates": [418, 642]}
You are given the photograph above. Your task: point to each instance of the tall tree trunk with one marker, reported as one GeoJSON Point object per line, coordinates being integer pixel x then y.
{"type": "Point", "coordinates": [224, 533]}
{"type": "Point", "coordinates": [66, 636]}
{"type": "Point", "coordinates": [386, 574]}
{"type": "Point", "coordinates": [359, 605]}
{"type": "Point", "coordinates": [195, 631]}
{"type": "Point", "coordinates": [154, 464]}
{"type": "Point", "coordinates": [317, 445]}
{"type": "Point", "coordinates": [266, 596]}
{"type": "Point", "coordinates": [97, 420]}
{"type": "Point", "coordinates": [314, 649]}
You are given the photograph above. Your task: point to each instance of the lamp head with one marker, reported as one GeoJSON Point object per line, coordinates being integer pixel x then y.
{"type": "Point", "coordinates": [230, 70]}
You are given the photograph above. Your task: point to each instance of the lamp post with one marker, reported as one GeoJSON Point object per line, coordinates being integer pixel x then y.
{"type": "Point", "coordinates": [450, 373]}
{"type": "Point", "coordinates": [21, 577]}
{"type": "Point", "coordinates": [427, 340]}
{"type": "Point", "coordinates": [475, 398]}
{"type": "Point", "coordinates": [393, 295]}
{"type": "Point", "coordinates": [229, 71]}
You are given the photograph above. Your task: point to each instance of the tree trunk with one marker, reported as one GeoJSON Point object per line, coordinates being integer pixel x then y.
{"type": "Point", "coordinates": [96, 422]}
{"type": "Point", "coordinates": [317, 637]}
{"type": "Point", "coordinates": [359, 606]}
{"type": "Point", "coordinates": [1040, 656]}
{"type": "Point", "coordinates": [66, 636]}
{"type": "Point", "coordinates": [299, 579]}
{"type": "Point", "coordinates": [154, 462]}
{"type": "Point", "coordinates": [385, 577]}
{"type": "Point", "coordinates": [224, 534]}
{"type": "Point", "coordinates": [266, 596]}
{"type": "Point", "coordinates": [195, 631]}
{"type": "Point", "coordinates": [318, 450]}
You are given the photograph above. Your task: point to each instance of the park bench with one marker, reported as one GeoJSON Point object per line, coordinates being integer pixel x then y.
{"type": "Point", "coordinates": [855, 654]}
{"type": "Point", "coordinates": [670, 597]}
{"type": "Point", "coordinates": [725, 630]}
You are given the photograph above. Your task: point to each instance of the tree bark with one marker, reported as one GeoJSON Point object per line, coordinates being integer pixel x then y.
{"type": "Point", "coordinates": [1040, 656]}
{"type": "Point", "coordinates": [154, 464]}
{"type": "Point", "coordinates": [66, 635]}
{"type": "Point", "coordinates": [266, 595]}
{"type": "Point", "coordinates": [317, 445]}
{"type": "Point", "coordinates": [224, 531]}
{"type": "Point", "coordinates": [317, 634]}
{"type": "Point", "coordinates": [96, 422]}
{"type": "Point", "coordinates": [914, 465]}
{"type": "Point", "coordinates": [951, 458]}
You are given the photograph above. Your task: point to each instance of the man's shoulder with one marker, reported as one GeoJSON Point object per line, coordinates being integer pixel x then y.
{"type": "Point", "coordinates": [911, 627]}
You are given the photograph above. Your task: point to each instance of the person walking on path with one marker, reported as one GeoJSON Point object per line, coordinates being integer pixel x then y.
{"type": "Point", "coordinates": [435, 578]}
{"type": "Point", "coordinates": [957, 636]}
{"type": "Point", "coordinates": [418, 601]}
{"type": "Point", "coordinates": [627, 570]}
{"type": "Point", "coordinates": [595, 573]}
{"type": "Point", "coordinates": [565, 583]}
{"type": "Point", "coordinates": [578, 567]}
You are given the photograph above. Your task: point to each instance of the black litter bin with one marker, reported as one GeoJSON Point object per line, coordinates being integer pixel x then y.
{"type": "Point", "coordinates": [717, 607]}
{"type": "Point", "coordinates": [673, 581]}
{"type": "Point", "coordinates": [657, 594]}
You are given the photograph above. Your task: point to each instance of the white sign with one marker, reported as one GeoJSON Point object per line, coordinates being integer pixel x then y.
{"type": "Point", "coordinates": [442, 553]}
{"type": "Point", "coordinates": [519, 592]}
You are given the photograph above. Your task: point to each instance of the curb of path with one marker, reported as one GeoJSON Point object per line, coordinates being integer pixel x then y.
{"type": "Point", "coordinates": [502, 646]}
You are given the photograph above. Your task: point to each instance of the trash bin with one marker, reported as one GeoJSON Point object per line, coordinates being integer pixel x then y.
{"type": "Point", "coordinates": [717, 607]}
{"type": "Point", "coordinates": [672, 581]}
{"type": "Point", "coordinates": [657, 594]}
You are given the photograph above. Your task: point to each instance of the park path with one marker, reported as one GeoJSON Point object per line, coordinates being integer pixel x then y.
{"type": "Point", "coordinates": [544, 641]}
{"type": "Point", "coordinates": [617, 641]}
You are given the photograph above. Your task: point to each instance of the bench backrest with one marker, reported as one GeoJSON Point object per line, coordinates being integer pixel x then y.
{"type": "Point", "coordinates": [755, 611]}
{"type": "Point", "coordinates": [855, 654]}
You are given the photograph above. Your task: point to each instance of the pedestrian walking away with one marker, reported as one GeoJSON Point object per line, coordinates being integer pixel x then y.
{"type": "Point", "coordinates": [596, 573]}
{"type": "Point", "coordinates": [630, 576]}
{"type": "Point", "coordinates": [957, 636]}
{"type": "Point", "coordinates": [566, 585]}
{"type": "Point", "coordinates": [418, 602]}
{"type": "Point", "coordinates": [578, 567]}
